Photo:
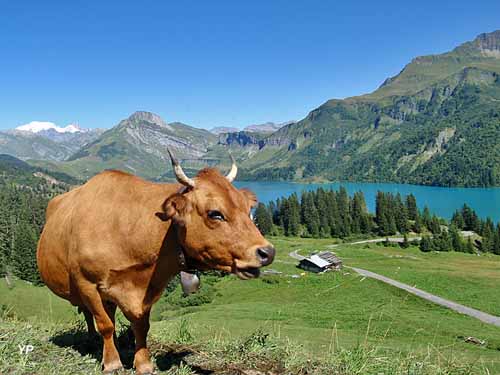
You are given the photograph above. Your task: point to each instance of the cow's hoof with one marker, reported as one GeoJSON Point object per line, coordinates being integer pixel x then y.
{"type": "Point", "coordinates": [112, 368]}
{"type": "Point", "coordinates": [116, 371]}
{"type": "Point", "coordinates": [145, 369]}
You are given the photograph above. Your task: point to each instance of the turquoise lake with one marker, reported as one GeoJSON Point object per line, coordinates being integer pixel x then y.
{"type": "Point", "coordinates": [441, 201]}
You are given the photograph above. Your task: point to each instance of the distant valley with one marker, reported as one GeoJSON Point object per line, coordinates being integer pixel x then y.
{"type": "Point", "coordinates": [437, 122]}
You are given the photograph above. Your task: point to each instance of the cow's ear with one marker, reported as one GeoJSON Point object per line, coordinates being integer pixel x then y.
{"type": "Point", "coordinates": [176, 207]}
{"type": "Point", "coordinates": [252, 198]}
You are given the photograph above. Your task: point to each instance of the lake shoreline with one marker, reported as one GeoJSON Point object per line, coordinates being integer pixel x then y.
{"type": "Point", "coordinates": [442, 201]}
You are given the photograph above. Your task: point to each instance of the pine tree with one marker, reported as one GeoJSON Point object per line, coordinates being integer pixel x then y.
{"type": "Point", "coordinates": [277, 213]}
{"type": "Point", "coordinates": [496, 242]}
{"type": "Point", "coordinates": [425, 244]}
{"type": "Point", "coordinates": [272, 210]}
{"type": "Point", "coordinates": [456, 240]}
{"type": "Point", "coordinates": [392, 225]}
{"type": "Point", "coordinates": [469, 246]}
{"type": "Point", "coordinates": [426, 217]}
{"type": "Point", "coordinates": [4, 241]}
{"type": "Point", "coordinates": [343, 205]}
{"type": "Point", "coordinates": [358, 213]}
{"type": "Point", "coordinates": [401, 215]}
{"type": "Point", "coordinates": [322, 206]}
{"type": "Point", "coordinates": [380, 208]}
{"type": "Point", "coordinates": [310, 215]}
{"type": "Point", "coordinates": [487, 234]}
{"type": "Point", "coordinates": [411, 207]}
{"type": "Point", "coordinates": [3, 256]}
{"type": "Point", "coordinates": [294, 215]}
{"type": "Point", "coordinates": [417, 226]}
{"type": "Point", "coordinates": [24, 254]}
{"type": "Point", "coordinates": [384, 214]}
{"type": "Point", "coordinates": [285, 215]}
{"type": "Point", "coordinates": [405, 244]}
{"type": "Point", "coordinates": [442, 242]}
{"type": "Point", "coordinates": [333, 213]}
{"type": "Point", "coordinates": [471, 219]}
{"type": "Point", "coordinates": [458, 220]}
{"type": "Point", "coordinates": [435, 225]}
{"type": "Point", "coordinates": [263, 219]}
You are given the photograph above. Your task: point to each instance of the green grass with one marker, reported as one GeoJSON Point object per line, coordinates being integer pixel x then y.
{"type": "Point", "coordinates": [468, 279]}
{"type": "Point", "coordinates": [320, 318]}
{"type": "Point", "coordinates": [307, 309]}
{"type": "Point", "coordinates": [34, 304]}
{"type": "Point", "coordinates": [68, 350]}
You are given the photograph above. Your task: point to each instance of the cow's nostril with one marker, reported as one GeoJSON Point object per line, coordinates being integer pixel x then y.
{"type": "Point", "coordinates": [262, 254]}
{"type": "Point", "coordinates": [266, 255]}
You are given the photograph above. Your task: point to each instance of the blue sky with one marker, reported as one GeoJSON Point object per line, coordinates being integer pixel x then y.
{"type": "Point", "coordinates": [212, 63]}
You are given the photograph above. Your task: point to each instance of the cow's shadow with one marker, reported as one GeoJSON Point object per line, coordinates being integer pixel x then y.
{"type": "Point", "coordinates": [165, 357]}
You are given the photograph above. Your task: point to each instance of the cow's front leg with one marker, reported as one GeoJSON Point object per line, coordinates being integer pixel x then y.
{"type": "Point", "coordinates": [142, 361]}
{"type": "Point", "coordinates": [104, 314]}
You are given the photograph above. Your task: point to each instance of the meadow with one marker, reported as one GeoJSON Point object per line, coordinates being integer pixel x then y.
{"type": "Point", "coordinates": [338, 319]}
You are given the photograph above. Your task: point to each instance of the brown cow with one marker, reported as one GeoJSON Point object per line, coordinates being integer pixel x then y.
{"type": "Point", "coordinates": [118, 240]}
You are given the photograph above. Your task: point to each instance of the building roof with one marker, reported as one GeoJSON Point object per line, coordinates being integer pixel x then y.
{"type": "Point", "coordinates": [318, 261]}
{"type": "Point", "coordinates": [330, 257]}
{"type": "Point", "coordinates": [323, 260]}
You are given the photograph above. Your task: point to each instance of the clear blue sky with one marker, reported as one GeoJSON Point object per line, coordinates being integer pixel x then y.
{"type": "Point", "coordinates": [213, 63]}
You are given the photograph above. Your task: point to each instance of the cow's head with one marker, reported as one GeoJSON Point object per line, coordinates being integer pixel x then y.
{"type": "Point", "coordinates": [214, 224]}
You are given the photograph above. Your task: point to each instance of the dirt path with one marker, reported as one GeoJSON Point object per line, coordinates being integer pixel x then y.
{"type": "Point", "coordinates": [484, 317]}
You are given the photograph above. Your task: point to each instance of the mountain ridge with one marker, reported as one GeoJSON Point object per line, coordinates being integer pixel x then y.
{"type": "Point", "coordinates": [342, 139]}
{"type": "Point", "coordinates": [432, 123]}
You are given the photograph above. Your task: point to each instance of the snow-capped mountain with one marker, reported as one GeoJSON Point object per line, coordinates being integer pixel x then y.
{"type": "Point", "coordinates": [40, 126]}
{"type": "Point", "coordinates": [45, 140]}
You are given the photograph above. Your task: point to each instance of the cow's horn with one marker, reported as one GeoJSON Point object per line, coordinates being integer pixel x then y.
{"type": "Point", "coordinates": [234, 170]}
{"type": "Point", "coordinates": [179, 173]}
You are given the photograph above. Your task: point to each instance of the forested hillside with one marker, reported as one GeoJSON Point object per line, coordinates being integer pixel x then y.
{"type": "Point", "coordinates": [435, 123]}
{"type": "Point", "coordinates": [24, 194]}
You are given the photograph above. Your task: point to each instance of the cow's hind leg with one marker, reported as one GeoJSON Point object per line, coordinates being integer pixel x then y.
{"type": "Point", "coordinates": [105, 326]}
{"type": "Point", "coordinates": [142, 361]}
{"type": "Point", "coordinates": [89, 319]}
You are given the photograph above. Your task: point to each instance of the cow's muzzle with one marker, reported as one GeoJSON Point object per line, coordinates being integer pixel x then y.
{"type": "Point", "coordinates": [247, 273]}
{"type": "Point", "coordinates": [266, 255]}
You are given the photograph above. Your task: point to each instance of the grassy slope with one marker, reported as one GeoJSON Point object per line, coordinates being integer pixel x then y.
{"type": "Point", "coordinates": [322, 312]}
{"type": "Point", "coordinates": [307, 309]}
{"type": "Point", "coordinates": [463, 278]}
{"type": "Point", "coordinates": [34, 303]}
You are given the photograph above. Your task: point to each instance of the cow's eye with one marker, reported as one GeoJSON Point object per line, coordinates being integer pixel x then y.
{"type": "Point", "coordinates": [215, 215]}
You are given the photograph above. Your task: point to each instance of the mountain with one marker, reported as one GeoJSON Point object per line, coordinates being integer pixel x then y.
{"type": "Point", "coordinates": [13, 170]}
{"type": "Point", "coordinates": [268, 127]}
{"type": "Point", "coordinates": [45, 140]}
{"type": "Point", "coordinates": [437, 122]}
{"type": "Point", "coordinates": [223, 129]}
{"type": "Point", "coordinates": [139, 144]}
{"type": "Point", "coordinates": [41, 126]}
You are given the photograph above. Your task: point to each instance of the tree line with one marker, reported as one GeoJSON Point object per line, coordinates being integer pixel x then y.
{"type": "Point", "coordinates": [320, 213]}
{"type": "Point", "coordinates": [328, 213]}
{"type": "Point", "coordinates": [21, 221]}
